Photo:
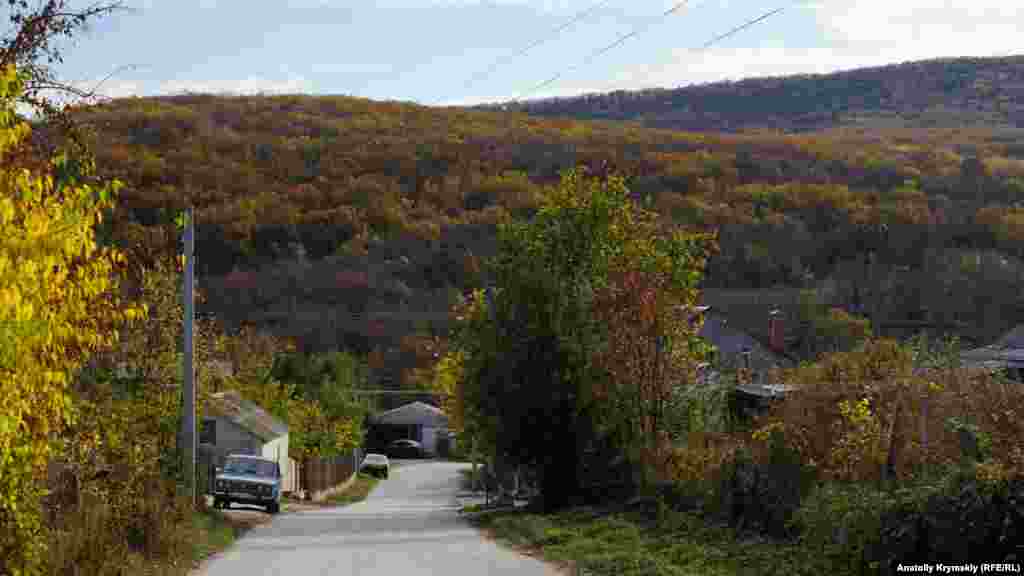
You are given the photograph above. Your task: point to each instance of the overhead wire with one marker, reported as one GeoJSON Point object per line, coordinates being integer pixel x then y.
{"type": "Point", "coordinates": [667, 13]}
{"type": "Point", "coordinates": [553, 33]}
{"type": "Point", "coordinates": [618, 41]}
{"type": "Point", "coordinates": [582, 14]}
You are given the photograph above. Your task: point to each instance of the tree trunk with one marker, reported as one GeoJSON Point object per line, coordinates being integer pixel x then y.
{"type": "Point", "coordinates": [558, 485]}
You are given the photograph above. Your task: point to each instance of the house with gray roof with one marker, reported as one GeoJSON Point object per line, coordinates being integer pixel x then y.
{"type": "Point", "coordinates": [417, 421]}
{"type": "Point", "coordinates": [737, 349]}
{"type": "Point", "coordinates": [234, 425]}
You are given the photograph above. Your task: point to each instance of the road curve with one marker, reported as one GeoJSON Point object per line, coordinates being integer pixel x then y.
{"type": "Point", "coordinates": [408, 526]}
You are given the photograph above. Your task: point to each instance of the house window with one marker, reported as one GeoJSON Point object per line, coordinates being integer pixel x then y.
{"type": "Point", "coordinates": [208, 433]}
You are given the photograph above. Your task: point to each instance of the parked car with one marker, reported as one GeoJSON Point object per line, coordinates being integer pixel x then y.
{"type": "Point", "coordinates": [377, 464]}
{"type": "Point", "coordinates": [405, 449]}
{"type": "Point", "coordinates": [248, 479]}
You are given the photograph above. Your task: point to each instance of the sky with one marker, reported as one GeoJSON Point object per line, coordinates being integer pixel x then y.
{"type": "Point", "coordinates": [448, 52]}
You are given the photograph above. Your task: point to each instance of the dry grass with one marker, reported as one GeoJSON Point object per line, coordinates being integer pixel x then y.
{"type": "Point", "coordinates": [356, 492]}
{"type": "Point", "coordinates": [913, 421]}
{"type": "Point", "coordinates": [168, 539]}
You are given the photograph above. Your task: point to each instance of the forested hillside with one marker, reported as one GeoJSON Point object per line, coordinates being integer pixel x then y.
{"type": "Point", "coordinates": [348, 222]}
{"type": "Point", "coordinates": [949, 92]}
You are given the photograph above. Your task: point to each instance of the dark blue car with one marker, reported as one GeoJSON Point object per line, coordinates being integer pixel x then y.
{"type": "Point", "coordinates": [248, 480]}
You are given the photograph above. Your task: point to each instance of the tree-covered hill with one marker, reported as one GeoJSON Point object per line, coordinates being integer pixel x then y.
{"type": "Point", "coordinates": [350, 222]}
{"type": "Point", "coordinates": [949, 92]}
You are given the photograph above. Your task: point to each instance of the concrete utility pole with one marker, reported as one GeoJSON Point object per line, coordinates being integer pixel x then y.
{"type": "Point", "coordinates": [188, 399]}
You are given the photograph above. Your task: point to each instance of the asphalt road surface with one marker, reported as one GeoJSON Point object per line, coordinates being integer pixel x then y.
{"type": "Point", "coordinates": [409, 525]}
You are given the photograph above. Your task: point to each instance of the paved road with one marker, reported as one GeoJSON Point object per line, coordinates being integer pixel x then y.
{"type": "Point", "coordinates": [408, 526]}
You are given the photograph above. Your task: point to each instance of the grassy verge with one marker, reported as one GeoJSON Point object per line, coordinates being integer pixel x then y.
{"type": "Point", "coordinates": [214, 532]}
{"type": "Point", "coordinates": [596, 543]}
{"type": "Point", "coordinates": [466, 479]}
{"type": "Point", "coordinates": [356, 492]}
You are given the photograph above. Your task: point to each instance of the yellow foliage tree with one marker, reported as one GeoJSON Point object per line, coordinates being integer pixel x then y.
{"type": "Point", "coordinates": [56, 306]}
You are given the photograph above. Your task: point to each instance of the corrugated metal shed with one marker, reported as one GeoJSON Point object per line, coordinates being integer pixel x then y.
{"type": "Point", "coordinates": [1007, 351]}
{"type": "Point", "coordinates": [246, 414]}
{"type": "Point", "coordinates": [414, 413]}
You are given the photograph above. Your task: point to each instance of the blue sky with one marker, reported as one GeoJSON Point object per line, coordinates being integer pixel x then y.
{"type": "Point", "coordinates": [427, 50]}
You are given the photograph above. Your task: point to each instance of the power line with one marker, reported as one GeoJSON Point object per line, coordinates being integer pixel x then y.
{"type": "Point", "coordinates": [742, 27]}
{"type": "Point", "coordinates": [622, 39]}
{"type": "Point", "coordinates": [618, 41]}
{"type": "Point", "coordinates": [551, 34]}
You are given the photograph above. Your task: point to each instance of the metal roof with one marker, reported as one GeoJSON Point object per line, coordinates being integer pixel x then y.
{"type": "Point", "coordinates": [731, 344]}
{"type": "Point", "coordinates": [1008, 350]}
{"type": "Point", "coordinates": [250, 457]}
{"type": "Point", "coordinates": [765, 390]}
{"type": "Point", "coordinates": [412, 414]}
{"type": "Point", "coordinates": [248, 415]}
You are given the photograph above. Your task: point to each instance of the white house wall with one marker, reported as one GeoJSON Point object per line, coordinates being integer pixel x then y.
{"type": "Point", "coordinates": [277, 450]}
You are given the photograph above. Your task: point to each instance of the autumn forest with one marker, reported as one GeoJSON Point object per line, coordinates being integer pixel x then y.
{"type": "Point", "coordinates": [385, 209]}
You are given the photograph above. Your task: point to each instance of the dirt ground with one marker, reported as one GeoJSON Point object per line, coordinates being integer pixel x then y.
{"type": "Point", "coordinates": [246, 517]}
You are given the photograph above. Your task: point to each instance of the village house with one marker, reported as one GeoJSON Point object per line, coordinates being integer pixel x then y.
{"type": "Point", "coordinates": [735, 349]}
{"type": "Point", "coordinates": [234, 425]}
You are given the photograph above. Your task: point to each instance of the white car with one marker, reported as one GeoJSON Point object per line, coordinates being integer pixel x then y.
{"type": "Point", "coordinates": [376, 464]}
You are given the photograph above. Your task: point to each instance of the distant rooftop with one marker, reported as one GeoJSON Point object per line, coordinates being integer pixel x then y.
{"type": "Point", "coordinates": [1008, 350]}
{"type": "Point", "coordinates": [413, 413]}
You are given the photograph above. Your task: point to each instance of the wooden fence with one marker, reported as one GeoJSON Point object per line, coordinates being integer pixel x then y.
{"type": "Point", "coordinates": [315, 478]}
{"type": "Point", "coordinates": [319, 477]}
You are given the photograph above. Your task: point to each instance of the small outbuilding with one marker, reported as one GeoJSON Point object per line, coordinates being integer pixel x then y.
{"type": "Point", "coordinates": [234, 425]}
{"type": "Point", "coordinates": [417, 421]}
{"type": "Point", "coordinates": [1006, 353]}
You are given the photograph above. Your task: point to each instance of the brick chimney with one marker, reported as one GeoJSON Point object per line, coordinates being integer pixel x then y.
{"type": "Point", "coordinates": [775, 331]}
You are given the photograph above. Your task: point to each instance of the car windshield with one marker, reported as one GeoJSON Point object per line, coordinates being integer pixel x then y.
{"type": "Point", "coordinates": [250, 467]}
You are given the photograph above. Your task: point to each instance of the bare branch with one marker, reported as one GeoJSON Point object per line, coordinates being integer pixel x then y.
{"type": "Point", "coordinates": [30, 45]}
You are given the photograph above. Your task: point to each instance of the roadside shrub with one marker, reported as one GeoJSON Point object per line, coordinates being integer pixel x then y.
{"type": "Point", "coordinates": [761, 489]}
{"type": "Point", "coordinates": [965, 519]}
{"type": "Point", "coordinates": [952, 519]}
{"type": "Point", "coordinates": [842, 523]}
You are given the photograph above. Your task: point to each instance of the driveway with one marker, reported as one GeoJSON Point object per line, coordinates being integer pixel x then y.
{"type": "Point", "coordinates": [409, 525]}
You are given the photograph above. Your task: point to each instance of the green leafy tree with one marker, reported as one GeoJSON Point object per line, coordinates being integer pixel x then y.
{"type": "Point", "coordinates": [528, 359]}
{"type": "Point", "coordinates": [326, 381]}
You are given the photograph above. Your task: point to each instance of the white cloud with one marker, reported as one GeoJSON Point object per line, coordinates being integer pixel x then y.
{"type": "Point", "coordinates": [250, 85]}
{"type": "Point", "coordinates": [691, 67]}
{"type": "Point", "coordinates": [919, 29]}
{"type": "Point", "coordinates": [858, 34]}
{"type": "Point", "coordinates": [116, 88]}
